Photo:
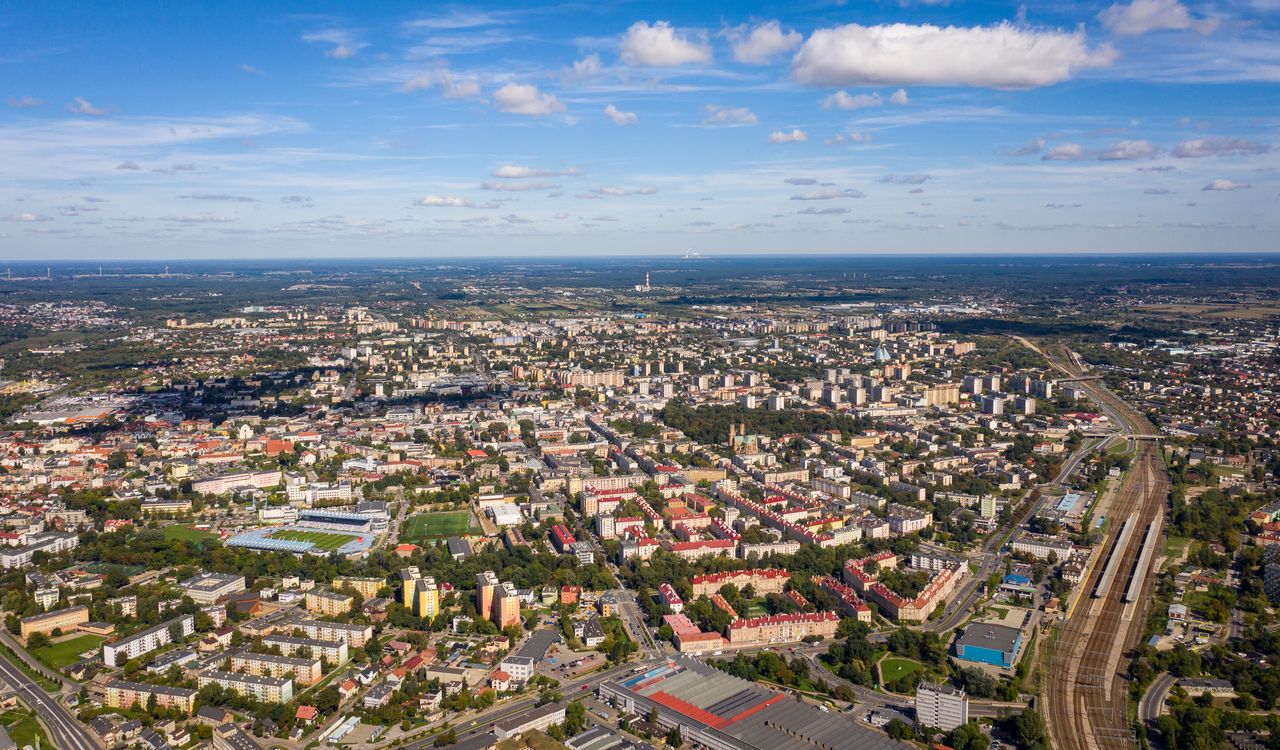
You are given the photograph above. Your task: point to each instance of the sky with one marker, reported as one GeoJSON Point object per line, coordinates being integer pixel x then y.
{"type": "Point", "coordinates": [250, 129]}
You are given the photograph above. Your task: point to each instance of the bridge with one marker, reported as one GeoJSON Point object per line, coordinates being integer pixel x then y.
{"type": "Point", "coordinates": [1079, 379]}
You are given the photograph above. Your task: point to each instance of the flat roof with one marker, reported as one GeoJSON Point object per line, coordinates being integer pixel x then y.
{"type": "Point", "coordinates": [989, 635]}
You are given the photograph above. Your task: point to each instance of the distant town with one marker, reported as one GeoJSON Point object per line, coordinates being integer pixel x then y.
{"type": "Point", "coordinates": [451, 507]}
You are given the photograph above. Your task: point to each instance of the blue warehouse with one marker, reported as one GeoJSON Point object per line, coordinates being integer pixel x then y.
{"type": "Point", "coordinates": [988, 643]}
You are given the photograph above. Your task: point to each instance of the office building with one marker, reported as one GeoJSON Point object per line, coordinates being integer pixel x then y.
{"type": "Point", "coordinates": [941, 706]}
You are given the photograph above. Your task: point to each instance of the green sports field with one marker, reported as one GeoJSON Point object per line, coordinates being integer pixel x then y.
{"type": "Point", "coordinates": [894, 668]}
{"type": "Point", "coordinates": [321, 539]}
{"type": "Point", "coordinates": [62, 653]}
{"type": "Point", "coordinates": [188, 534]}
{"type": "Point", "coordinates": [436, 525]}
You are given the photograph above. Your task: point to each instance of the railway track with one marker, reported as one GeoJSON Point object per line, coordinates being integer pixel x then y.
{"type": "Point", "coordinates": [1086, 698]}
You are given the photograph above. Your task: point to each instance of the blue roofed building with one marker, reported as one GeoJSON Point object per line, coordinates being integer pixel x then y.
{"type": "Point", "coordinates": [989, 643]}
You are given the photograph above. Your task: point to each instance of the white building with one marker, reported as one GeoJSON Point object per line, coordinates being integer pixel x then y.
{"type": "Point", "coordinates": [116, 654]}
{"type": "Point", "coordinates": [941, 706]}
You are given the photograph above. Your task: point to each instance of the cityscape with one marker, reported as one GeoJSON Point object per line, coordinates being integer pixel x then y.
{"type": "Point", "coordinates": [893, 375]}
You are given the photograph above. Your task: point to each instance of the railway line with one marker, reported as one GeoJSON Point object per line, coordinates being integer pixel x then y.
{"type": "Point", "coordinates": [1086, 701]}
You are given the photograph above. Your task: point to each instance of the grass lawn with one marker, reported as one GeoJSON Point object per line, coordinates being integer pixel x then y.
{"type": "Point", "coordinates": [436, 525]}
{"type": "Point", "coordinates": [188, 534]}
{"type": "Point", "coordinates": [62, 653]}
{"type": "Point", "coordinates": [23, 728]}
{"type": "Point", "coordinates": [321, 539]}
{"type": "Point", "coordinates": [895, 668]}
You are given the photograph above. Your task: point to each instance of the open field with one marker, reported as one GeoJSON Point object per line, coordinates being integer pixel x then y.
{"type": "Point", "coordinates": [62, 653]}
{"type": "Point", "coordinates": [321, 539]}
{"type": "Point", "coordinates": [436, 525]}
{"type": "Point", "coordinates": [188, 534]}
{"type": "Point", "coordinates": [894, 668]}
{"type": "Point", "coordinates": [23, 728]}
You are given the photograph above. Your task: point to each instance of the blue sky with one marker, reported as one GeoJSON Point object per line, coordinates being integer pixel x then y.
{"type": "Point", "coordinates": [170, 130]}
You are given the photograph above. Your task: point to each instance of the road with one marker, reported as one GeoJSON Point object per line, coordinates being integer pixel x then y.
{"type": "Point", "coordinates": [65, 732]}
{"type": "Point", "coordinates": [1086, 695]}
{"type": "Point", "coordinates": [1152, 702]}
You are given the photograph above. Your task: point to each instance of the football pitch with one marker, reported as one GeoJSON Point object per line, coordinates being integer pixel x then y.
{"type": "Point", "coordinates": [436, 525]}
{"type": "Point", "coordinates": [321, 539]}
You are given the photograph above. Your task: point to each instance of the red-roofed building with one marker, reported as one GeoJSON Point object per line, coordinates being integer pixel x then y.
{"type": "Point", "coordinates": [752, 631]}
{"type": "Point", "coordinates": [305, 714]}
{"type": "Point", "coordinates": [763, 581]}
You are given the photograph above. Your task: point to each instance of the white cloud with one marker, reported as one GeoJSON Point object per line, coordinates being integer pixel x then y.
{"type": "Point", "coordinates": [844, 100]}
{"type": "Point", "coordinates": [1142, 16]}
{"type": "Point", "coordinates": [444, 201]}
{"type": "Point", "coordinates": [905, 179]}
{"type": "Point", "coordinates": [1030, 148]}
{"type": "Point", "coordinates": [27, 218]}
{"type": "Point", "coordinates": [660, 45]}
{"type": "Point", "coordinates": [619, 117]}
{"type": "Point", "coordinates": [617, 192]}
{"type": "Point", "coordinates": [24, 102]}
{"type": "Point", "coordinates": [584, 68]}
{"type": "Point", "coordinates": [519, 187]}
{"type": "Point", "coordinates": [518, 172]}
{"type": "Point", "coordinates": [1000, 56]}
{"type": "Point", "coordinates": [827, 211]}
{"type": "Point", "coordinates": [218, 197]}
{"type": "Point", "coordinates": [83, 107]}
{"type": "Point", "coordinates": [1129, 151]}
{"type": "Point", "coordinates": [1221, 146]}
{"type": "Point", "coordinates": [800, 181]}
{"type": "Point", "coordinates": [129, 165]}
{"type": "Point", "coordinates": [1066, 152]}
{"type": "Point", "coordinates": [345, 45]}
{"type": "Point", "coordinates": [795, 136]}
{"type": "Point", "coordinates": [714, 115]}
{"type": "Point", "coordinates": [1226, 185]}
{"type": "Point", "coordinates": [1156, 191]}
{"type": "Point", "coordinates": [763, 43]}
{"type": "Point", "coordinates": [450, 86]}
{"type": "Point", "coordinates": [827, 195]}
{"type": "Point", "coordinates": [247, 68]}
{"type": "Point", "coordinates": [525, 99]}
{"type": "Point", "coordinates": [852, 137]}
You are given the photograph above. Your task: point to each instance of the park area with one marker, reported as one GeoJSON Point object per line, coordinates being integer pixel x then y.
{"type": "Point", "coordinates": [894, 668]}
{"type": "Point", "coordinates": [66, 652]}
{"type": "Point", "coordinates": [23, 728]}
{"type": "Point", "coordinates": [431, 526]}
{"type": "Point", "coordinates": [321, 539]}
{"type": "Point", "coordinates": [189, 534]}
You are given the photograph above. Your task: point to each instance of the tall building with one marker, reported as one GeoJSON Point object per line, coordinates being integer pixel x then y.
{"type": "Point", "coordinates": [486, 582]}
{"type": "Point", "coordinates": [942, 707]}
{"type": "Point", "coordinates": [506, 605]}
{"type": "Point", "coordinates": [421, 595]}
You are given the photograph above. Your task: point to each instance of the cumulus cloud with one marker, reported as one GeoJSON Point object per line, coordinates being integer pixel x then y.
{"type": "Point", "coordinates": [585, 68]}
{"type": "Point", "coordinates": [27, 218]}
{"type": "Point", "coordinates": [295, 199]}
{"type": "Point", "coordinates": [800, 181]}
{"type": "Point", "coordinates": [23, 102]}
{"type": "Point", "coordinates": [514, 219]}
{"type": "Point", "coordinates": [518, 172]}
{"type": "Point", "coordinates": [129, 165]}
{"type": "Point", "coordinates": [1000, 56]}
{"type": "Point", "coordinates": [660, 46]}
{"type": "Point", "coordinates": [1226, 186]}
{"type": "Point", "coordinates": [827, 195]}
{"type": "Point", "coordinates": [82, 106]}
{"type": "Point", "coordinates": [444, 201]}
{"type": "Point", "coordinates": [619, 117]}
{"type": "Point", "coordinates": [519, 187]}
{"type": "Point", "coordinates": [1143, 16]}
{"type": "Point", "coordinates": [1222, 146]}
{"type": "Point", "coordinates": [906, 179]}
{"type": "Point", "coordinates": [762, 43]}
{"type": "Point", "coordinates": [1066, 152]}
{"type": "Point", "coordinates": [844, 100]}
{"type": "Point", "coordinates": [828, 211]}
{"type": "Point", "coordinates": [795, 136]}
{"type": "Point", "coordinates": [848, 137]}
{"type": "Point", "coordinates": [525, 99]}
{"type": "Point", "coordinates": [450, 86]}
{"type": "Point", "coordinates": [715, 115]}
{"type": "Point", "coordinates": [1030, 148]}
{"type": "Point", "coordinates": [1129, 151]}
{"type": "Point", "coordinates": [247, 68]}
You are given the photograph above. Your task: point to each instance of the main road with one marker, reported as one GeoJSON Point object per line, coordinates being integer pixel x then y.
{"type": "Point", "coordinates": [65, 731]}
{"type": "Point", "coordinates": [1086, 697]}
